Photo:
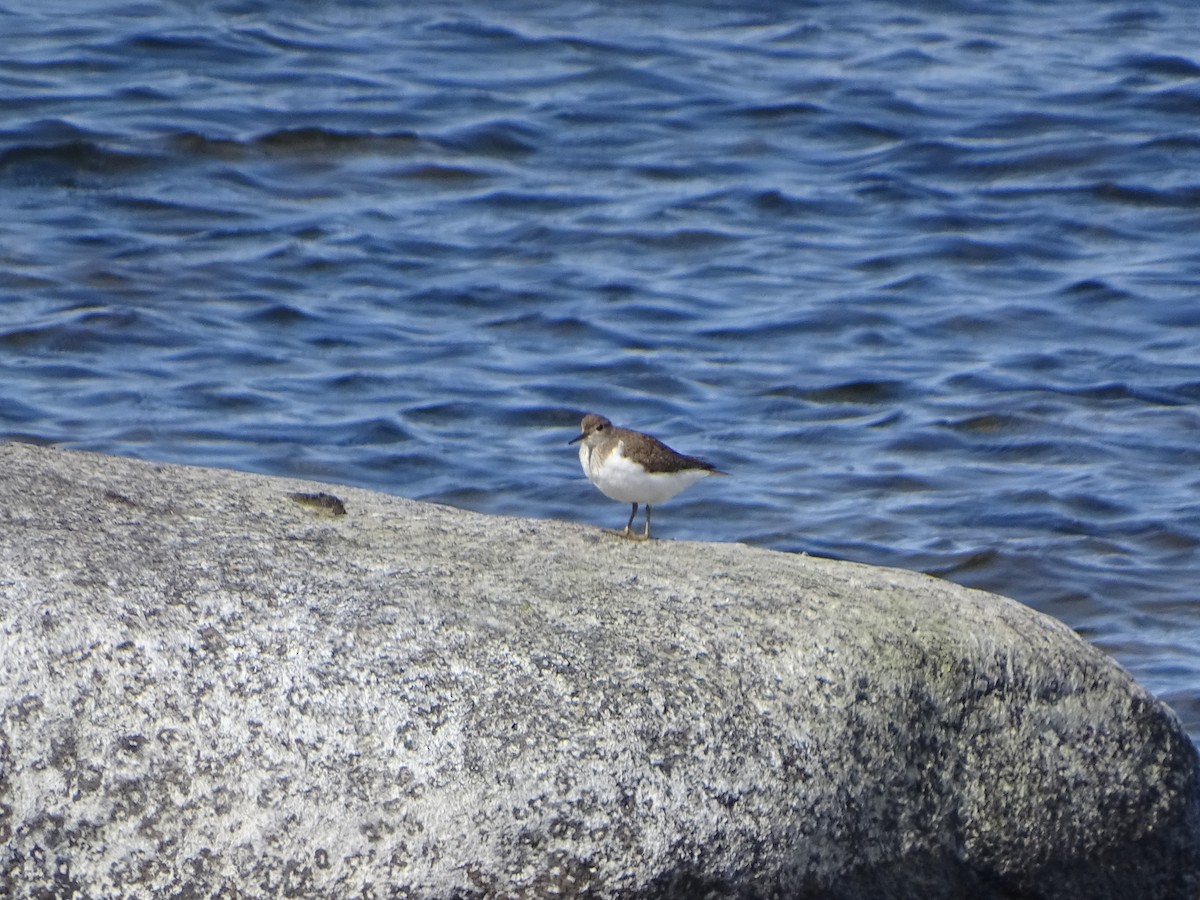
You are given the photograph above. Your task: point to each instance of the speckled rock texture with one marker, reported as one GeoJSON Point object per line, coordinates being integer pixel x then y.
{"type": "Point", "coordinates": [210, 687]}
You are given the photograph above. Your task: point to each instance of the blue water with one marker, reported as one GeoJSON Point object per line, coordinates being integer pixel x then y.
{"type": "Point", "coordinates": [924, 277]}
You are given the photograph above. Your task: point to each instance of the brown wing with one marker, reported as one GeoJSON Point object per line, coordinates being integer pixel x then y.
{"type": "Point", "coordinates": [657, 457]}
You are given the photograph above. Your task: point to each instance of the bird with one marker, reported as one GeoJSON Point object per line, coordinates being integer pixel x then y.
{"type": "Point", "coordinates": [634, 467]}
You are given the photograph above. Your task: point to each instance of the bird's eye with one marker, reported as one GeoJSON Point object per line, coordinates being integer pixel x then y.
{"type": "Point", "coordinates": [601, 427]}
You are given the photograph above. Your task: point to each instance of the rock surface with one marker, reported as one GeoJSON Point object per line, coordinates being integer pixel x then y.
{"type": "Point", "coordinates": [209, 687]}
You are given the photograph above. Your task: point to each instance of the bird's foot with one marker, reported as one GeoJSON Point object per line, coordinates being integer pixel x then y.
{"type": "Point", "coordinates": [628, 533]}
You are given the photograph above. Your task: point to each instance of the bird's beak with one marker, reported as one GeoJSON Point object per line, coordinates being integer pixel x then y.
{"type": "Point", "coordinates": [576, 439]}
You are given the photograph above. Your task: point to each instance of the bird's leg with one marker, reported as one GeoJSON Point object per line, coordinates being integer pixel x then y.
{"type": "Point", "coordinates": [633, 535]}
{"type": "Point", "coordinates": [629, 525]}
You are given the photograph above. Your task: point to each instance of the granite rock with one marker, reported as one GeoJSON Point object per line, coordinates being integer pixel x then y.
{"type": "Point", "coordinates": [215, 684]}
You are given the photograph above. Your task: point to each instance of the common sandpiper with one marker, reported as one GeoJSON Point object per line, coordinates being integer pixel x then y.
{"type": "Point", "coordinates": [634, 467]}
